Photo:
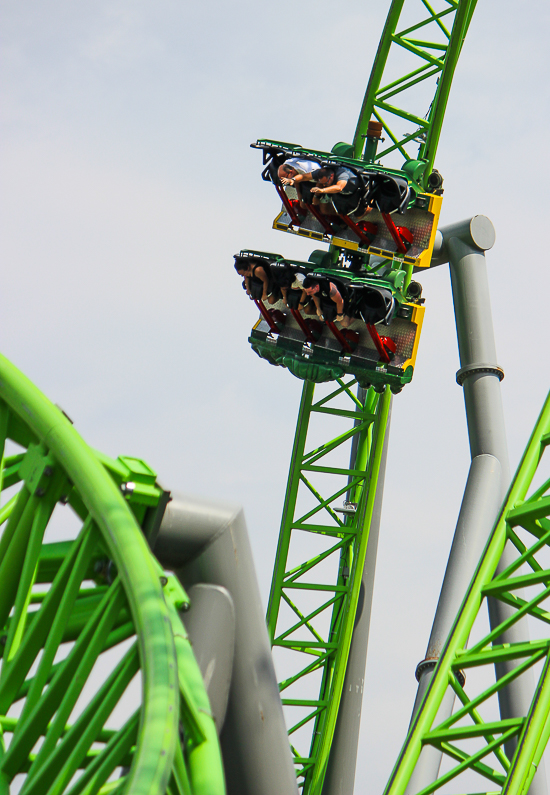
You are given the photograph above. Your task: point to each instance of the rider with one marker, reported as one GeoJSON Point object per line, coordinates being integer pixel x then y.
{"type": "Point", "coordinates": [326, 297]}
{"type": "Point", "coordinates": [297, 165]}
{"type": "Point", "coordinates": [335, 189]}
{"type": "Point", "coordinates": [294, 167]}
{"type": "Point", "coordinates": [257, 277]}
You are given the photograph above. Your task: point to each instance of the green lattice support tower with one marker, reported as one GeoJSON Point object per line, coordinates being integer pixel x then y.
{"type": "Point", "coordinates": [99, 688]}
{"type": "Point", "coordinates": [474, 737]}
{"type": "Point", "coordinates": [411, 105]}
{"type": "Point", "coordinates": [320, 559]}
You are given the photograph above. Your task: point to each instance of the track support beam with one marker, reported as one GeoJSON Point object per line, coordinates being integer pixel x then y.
{"type": "Point", "coordinates": [206, 541]}
{"type": "Point", "coordinates": [463, 246]}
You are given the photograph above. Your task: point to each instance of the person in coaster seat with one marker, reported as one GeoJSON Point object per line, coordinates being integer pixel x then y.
{"type": "Point", "coordinates": [283, 275]}
{"type": "Point", "coordinates": [297, 165]}
{"type": "Point", "coordinates": [328, 300]}
{"type": "Point", "coordinates": [335, 190]}
{"type": "Point", "coordinates": [294, 167]}
{"type": "Point", "coordinates": [256, 275]}
{"type": "Point", "coordinates": [294, 294]}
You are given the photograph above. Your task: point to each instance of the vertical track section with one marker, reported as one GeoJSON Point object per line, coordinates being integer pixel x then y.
{"type": "Point", "coordinates": [320, 557]}
{"type": "Point", "coordinates": [410, 102]}
{"type": "Point", "coordinates": [99, 688]}
{"type": "Point", "coordinates": [473, 739]}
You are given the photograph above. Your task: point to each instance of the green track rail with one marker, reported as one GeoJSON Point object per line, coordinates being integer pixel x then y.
{"type": "Point", "coordinates": [99, 688]}
{"type": "Point", "coordinates": [312, 605]}
{"type": "Point", "coordinates": [411, 113]}
{"type": "Point", "coordinates": [314, 596]}
{"type": "Point", "coordinates": [473, 738]}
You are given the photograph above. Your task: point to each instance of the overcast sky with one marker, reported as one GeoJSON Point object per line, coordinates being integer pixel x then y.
{"type": "Point", "coordinates": [128, 184]}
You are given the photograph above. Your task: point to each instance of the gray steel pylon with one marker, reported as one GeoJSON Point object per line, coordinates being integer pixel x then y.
{"type": "Point", "coordinates": [463, 246]}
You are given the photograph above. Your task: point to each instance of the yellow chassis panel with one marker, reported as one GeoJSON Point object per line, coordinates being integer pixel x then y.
{"type": "Point", "coordinates": [422, 261]}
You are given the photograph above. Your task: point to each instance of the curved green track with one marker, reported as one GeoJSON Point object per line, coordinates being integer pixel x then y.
{"type": "Point", "coordinates": [99, 688]}
{"type": "Point", "coordinates": [474, 739]}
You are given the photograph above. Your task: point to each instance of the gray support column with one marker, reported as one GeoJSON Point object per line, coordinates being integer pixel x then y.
{"type": "Point", "coordinates": [463, 245]}
{"type": "Point", "coordinates": [479, 372]}
{"type": "Point", "coordinates": [204, 541]}
{"type": "Point", "coordinates": [480, 377]}
{"type": "Point", "coordinates": [480, 504]}
{"type": "Point", "coordinates": [210, 624]}
{"type": "Point", "coordinates": [340, 776]}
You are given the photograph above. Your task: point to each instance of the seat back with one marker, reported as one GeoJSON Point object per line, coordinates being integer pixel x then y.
{"type": "Point", "coordinates": [371, 304]}
{"type": "Point", "coordinates": [387, 193]}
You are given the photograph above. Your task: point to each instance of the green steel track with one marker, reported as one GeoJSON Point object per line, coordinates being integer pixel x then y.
{"type": "Point", "coordinates": [315, 587]}
{"type": "Point", "coordinates": [314, 596]}
{"type": "Point", "coordinates": [99, 688]}
{"type": "Point", "coordinates": [473, 739]}
{"type": "Point", "coordinates": [411, 104]}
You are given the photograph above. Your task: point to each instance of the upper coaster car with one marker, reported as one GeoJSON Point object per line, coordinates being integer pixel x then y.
{"type": "Point", "coordinates": [385, 214]}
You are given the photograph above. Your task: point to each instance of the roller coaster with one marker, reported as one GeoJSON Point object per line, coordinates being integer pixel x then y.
{"type": "Point", "coordinates": [135, 658]}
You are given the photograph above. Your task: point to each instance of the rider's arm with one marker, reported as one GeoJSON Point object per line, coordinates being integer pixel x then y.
{"type": "Point", "coordinates": [262, 275]}
{"type": "Point", "coordinates": [293, 181]}
{"type": "Point", "coordinates": [317, 302]}
{"type": "Point", "coordinates": [336, 188]}
{"type": "Point", "coordinates": [337, 298]}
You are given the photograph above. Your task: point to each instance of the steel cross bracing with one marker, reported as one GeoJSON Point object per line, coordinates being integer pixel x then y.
{"type": "Point", "coordinates": [424, 50]}
{"type": "Point", "coordinates": [313, 599]}
{"type": "Point", "coordinates": [84, 619]}
{"type": "Point", "coordinates": [473, 739]}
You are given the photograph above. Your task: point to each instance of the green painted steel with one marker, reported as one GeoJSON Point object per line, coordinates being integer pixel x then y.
{"type": "Point", "coordinates": [411, 104]}
{"type": "Point", "coordinates": [319, 563]}
{"type": "Point", "coordinates": [322, 364]}
{"type": "Point", "coordinates": [92, 644]}
{"type": "Point", "coordinates": [473, 736]}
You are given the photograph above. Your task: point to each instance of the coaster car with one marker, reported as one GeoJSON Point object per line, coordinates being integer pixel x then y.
{"type": "Point", "coordinates": [377, 343]}
{"type": "Point", "coordinates": [392, 217]}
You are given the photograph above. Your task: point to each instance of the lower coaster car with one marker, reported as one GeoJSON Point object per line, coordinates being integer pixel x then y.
{"type": "Point", "coordinates": [325, 359]}
{"type": "Point", "coordinates": [383, 321]}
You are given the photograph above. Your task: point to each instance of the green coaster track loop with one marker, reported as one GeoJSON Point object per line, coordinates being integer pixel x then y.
{"type": "Point", "coordinates": [83, 622]}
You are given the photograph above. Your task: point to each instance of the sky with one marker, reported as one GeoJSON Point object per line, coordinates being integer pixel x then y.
{"type": "Point", "coordinates": [128, 184]}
